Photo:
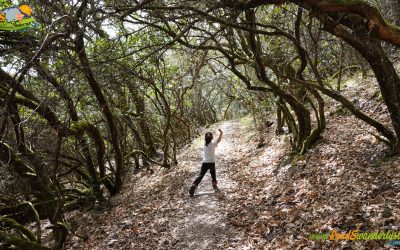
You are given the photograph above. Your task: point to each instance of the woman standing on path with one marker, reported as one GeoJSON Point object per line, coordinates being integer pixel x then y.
{"type": "Point", "coordinates": [208, 161]}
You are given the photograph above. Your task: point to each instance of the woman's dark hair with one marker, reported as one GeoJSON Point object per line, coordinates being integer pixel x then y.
{"type": "Point", "coordinates": [208, 137]}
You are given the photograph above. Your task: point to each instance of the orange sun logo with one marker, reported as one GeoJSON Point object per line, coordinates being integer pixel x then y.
{"type": "Point", "coordinates": [25, 9]}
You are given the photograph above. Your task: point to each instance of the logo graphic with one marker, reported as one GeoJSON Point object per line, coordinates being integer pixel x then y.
{"type": "Point", "coordinates": [394, 237]}
{"type": "Point", "coordinates": [17, 18]}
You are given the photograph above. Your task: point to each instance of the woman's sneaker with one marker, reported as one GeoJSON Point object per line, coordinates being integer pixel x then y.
{"type": "Point", "coordinates": [191, 190]}
{"type": "Point", "coordinates": [214, 185]}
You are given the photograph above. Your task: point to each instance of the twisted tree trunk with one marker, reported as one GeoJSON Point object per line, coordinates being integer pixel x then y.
{"type": "Point", "coordinates": [87, 70]}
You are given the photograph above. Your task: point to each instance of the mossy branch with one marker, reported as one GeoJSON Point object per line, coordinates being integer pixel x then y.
{"type": "Point", "coordinates": [11, 223]}
{"type": "Point", "coordinates": [21, 243]}
{"type": "Point", "coordinates": [38, 225]}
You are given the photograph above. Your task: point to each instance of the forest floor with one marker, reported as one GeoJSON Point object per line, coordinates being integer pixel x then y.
{"type": "Point", "coordinates": [266, 198]}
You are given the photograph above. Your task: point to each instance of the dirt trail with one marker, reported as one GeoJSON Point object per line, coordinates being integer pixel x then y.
{"type": "Point", "coordinates": [204, 223]}
{"type": "Point", "coordinates": [207, 220]}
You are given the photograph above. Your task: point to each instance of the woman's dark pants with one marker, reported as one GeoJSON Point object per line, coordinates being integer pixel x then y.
{"type": "Point", "coordinates": [204, 167]}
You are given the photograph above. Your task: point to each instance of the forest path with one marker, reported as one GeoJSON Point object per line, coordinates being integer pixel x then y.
{"type": "Point", "coordinates": [204, 223]}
